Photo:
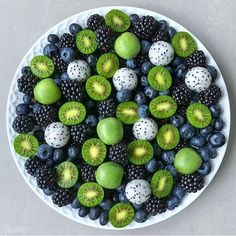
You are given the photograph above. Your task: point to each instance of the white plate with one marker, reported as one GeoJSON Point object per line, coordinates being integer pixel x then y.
{"type": "Point", "coordinates": [15, 98]}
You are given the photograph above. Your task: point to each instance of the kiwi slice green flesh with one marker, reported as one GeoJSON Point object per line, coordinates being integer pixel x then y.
{"type": "Point", "coordinates": [90, 194]}
{"type": "Point", "coordinates": [168, 137]}
{"type": "Point", "coordinates": [121, 215]}
{"type": "Point", "coordinates": [94, 151]}
{"type": "Point", "coordinates": [163, 107]}
{"type": "Point", "coordinates": [42, 66]}
{"type": "Point", "coordinates": [117, 20]}
{"type": "Point", "coordinates": [199, 115]}
{"type": "Point", "coordinates": [183, 44]}
{"type": "Point", "coordinates": [86, 41]}
{"type": "Point", "coordinates": [107, 65]}
{"type": "Point", "coordinates": [140, 152]}
{"type": "Point", "coordinates": [72, 113]}
{"type": "Point", "coordinates": [127, 112]}
{"type": "Point", "coordinates": [98, 88]}
{"type": "Point", "coordinates": [67, 174]}
{"type": "Point", "coordinates": [162, 183]}
{"type": "Point", "coordinates": [159, 78]}
{"type": "Point", "coordinates": [26, 145]}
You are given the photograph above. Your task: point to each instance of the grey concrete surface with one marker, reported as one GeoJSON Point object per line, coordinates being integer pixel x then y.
{"type": "Point", "coordinates": [22, 22]}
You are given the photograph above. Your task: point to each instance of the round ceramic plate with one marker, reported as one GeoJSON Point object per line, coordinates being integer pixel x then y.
{"type": "Point", "coordinates": [15, 97]}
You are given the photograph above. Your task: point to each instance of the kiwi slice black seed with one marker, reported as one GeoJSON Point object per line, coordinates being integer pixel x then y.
{"type": "Point", "coordinates": [198, 115]}
{"type": "Point", "coordinates": [117, 20]}
{"type": "Point", "coordinates": [42, 66]}
{"type": "Point", "coordinates": [26, 145]}
{"type": "Point", "coordinates": [107, 65]}
{"type": "Point", "coordinates": [121, 215]}
{"type": "Point", "coordinates": [90, 194]}
{"type": "Point", "coordinates": [94, 151]}
{"type": "Point", "coordinates": [168, 137]}
{"type": "Point", "coordinates": [67, 174]}
{"type": "Point", "coordinates": [98, 88]}
{"type": "Point", "coordinates": [72, 113]}
{"type": "Point", "coordinates": [140, 152]}
{"type": "Point", "coordinates": [127, 112]}
{"type": "Point", "coordinates": [86, 41]}
{"type": "Point", "coordinates": [163, 107]}
{"type": "Point", "coordinates": [183, 44]}
{"type": "Point", "coordinates": [162, 183]}
{"type": "Point", "coordinates": [159, 78]}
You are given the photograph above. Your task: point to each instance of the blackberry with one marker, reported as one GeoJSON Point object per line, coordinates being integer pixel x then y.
{"type": "Point", "coordinates": [79, 133]}
{"type": "Point", "coordinates": [145, 27]}
{"type": "Point", "coordinates": [210, 96]}
{"type": "Point", "coordinates": [87, 173]}
{"type": "Point", "coordinates": [23, 124]}
{"type": "Point", "coordinates": [60, 65]}
{"type": "Point", "coordinates": [183, 143]}
{"type": "Point", "coordinates": [72, 90]}
{"type": "Point", "coordinates": [105, 38]}
{"type": "Point", "coordinates": [45, 177]}
{"type": "Point", "coordinates": [119, 153]}
{"type": "Point", "coordinates": [67, 41]}
{"type": "Point", "coordinates": [135, 172]}
{"type": "Point", "coordinates": [162, 122]}
{"type": "Point", "coordinates": [140, 59]}
{"type": "Point", "coordinates": [62, 197]}
{"type": "Point", "coordinates": [26, 84]}
{"type": "Point", "coordinates": [160, 35]}
{"type": "Point", "coordinates": [198, 58]}
{"type": "Point", "coordinates": [181, 94]}
{"type": "Point", "coordinates": [45, 115]}
{"type": "Point", "coordinates": [181, 110]}
{"type": "Point", "coordinates": [154, 205]}
{"type": "Point", "coordinates": [192, 183]}
{"type": "Point", "coordinates": [94, 21]}
{"type": "Point", "coordinates": [107, 108]}
{"type": "Point", "coordinates": [32, 164]}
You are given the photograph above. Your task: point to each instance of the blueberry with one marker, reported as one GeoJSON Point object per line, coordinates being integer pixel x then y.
{"type": "Point", "coordinates": [75, 28]}
{"type": "Point", "coordinates": [122, 197]}
{"type": "Point", "coordinates": [146, 67]}
{"type": "Point", "coordinates": [26, 70]}
{"type": "Point", "coordinates": [205, 153]}
{"type": "Point", "coordinates": [198, 141]}
{"type": "Point", "coordinates": [75, 204]}
{"type": "Point", "coordinates": [160, 165]}
{"type": "Point", "coordinates": [123, 95]}
{"type": "Point", "coordinates": [64, 76]}
{"type": "Point", "coordinates": [72, 152]}
{"type": "Point", "coordinates": [140, 98]}
{"type": "Point", "coordinates": [115, 197]}
{"type": "Point", "coordinates": [27, 99]}
{"type": "Point", "coordinates": [214, 152]}
{"type": "Point", "coordinates": [137, 207]}
{"type": "Point", "coordinates": [58, 81]}
{"type": "Point", "coordinates": [205, 168]}
{"type": "Point", "coordinates": [39, 135]}
{"type": "Point", "coordinates": [166, 92]}
{"type": "Point", "coordinates": [94, 213]}
{"type": "Point", "coordinates": [168, 156]}
{"type": "Point", "coordinates": [217, 139]}
{"type": "Point", "coordinates": [50, 162]}
{"type": "Point", "coordinates": [53, 38]}
{"type": "Point", "coordinates": [106, 204]}
{"type": "Point", "coordinates": [187, 131]}
{"type": "Point", "coordinates": [45, 151]}
{"type": "Point", "coordinates": [104, 218]}
{"type": "Point", "coordinates": [152, 165]}
{"type": "Point", "coordinates": [171, 32]}
{"type": "Point", "coordinates": [143, 111]}
{"type": "Point", "coordinates": [178, 192]}
{"type": "Point", "coordinates": [83, 211]}
{"type": "Point", "coordinates": [212, 70]}
{"type": "Point", "coordinates": [156, 149]}
{"type": "Point", "coordinates": [50, 50]}
{"type": "Point", "coordinates": [172, 202]}
{"type": "Point", "coordinates": [218, 124]}
{"type": "Point", "coordinates": [145, 46]}
{"type": "Point", "coordinates": [48, 191]}
{"type": "Point", "coordinates": [162, 25]}
{"type": "Point", "coordinates": [92, 60]}
{"type": "Point", "coordinates": [141, 216]}
{"type": "Point", "coordinates": [172, 170]}
{"type": "Point", "coordinates": [215, 111]}
{"type": "Point", "coordinates": [206, 131]}
{"type": "Point", "coordinates": [22, 109]}
{"type": "Point", "coordinates": [150, 92]}
{"type": "Point", "coordinates": [58, 155]}
{"type": "Point", "coordinates": [177, 120]}
{"type": "Point", "coordinates": [91, 121]}
{"type": "Point", "coordinates": [131, 63]}
{"type": "Point", "coordinates": [36, 107]}
{"type": "Point", "coordinates": [67, 54]}
{"type": "Point", "coordinates": [137, 71]}
{"type": "Point", "coordinates": [121, 188]}
{"type": "Point", "coordinates": [134, 18]}
{"type": "Point", "coordinates": [180, 71]}
{"type": "Point", "coordinates": [169, 68]}
{"type": "Point", "coordinates": [144, 81]}
{"type": "Point", "coordinates": [177, 61]}
{"type": "Point", "coordinates": [89, 104]}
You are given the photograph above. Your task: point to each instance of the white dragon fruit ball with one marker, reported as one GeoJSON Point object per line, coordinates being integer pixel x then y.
{"type": "Point", "coordinates": [138, 191]}
{"type": "Point", "coordinates": [125, 78]}
{"type": "Point", "coordinates": [57, 135]}
{"type": "Point", "coordinates": [145, 129]}
{"type": "Point", "coordinates": [198, 79]}
{"type": "Point", "coordinates": [79, 70]}
{"type": "Point", "coordinates": [161, 53]}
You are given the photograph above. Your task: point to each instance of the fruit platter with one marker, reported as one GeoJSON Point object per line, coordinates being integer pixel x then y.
{"type": "Point", "coordinates": [118, 118]}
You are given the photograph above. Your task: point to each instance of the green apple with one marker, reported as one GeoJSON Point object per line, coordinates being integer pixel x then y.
{"type": "Point", "coordinates": [187, 161]}
{"type": "Point", "coordinates": [110, 130]}
{"type": "Point", "coordinates": [47, 91]}
{"type": "Point", "coordinates": [109, 175]}
{"type": "Point", "coordinates": [127, 45]}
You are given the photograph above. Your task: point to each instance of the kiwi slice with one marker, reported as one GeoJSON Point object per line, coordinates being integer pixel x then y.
{"type": "Point", "coordinates": [127, 112]}
{"type": "Point", "coordinates": [162, 183]}
{"type": "Point", "coordinates": [94, 151]}
{"type": "Point", "coordinates": [121, 215]}
{"type": "Point", "coordinates": [107, 65]}
{"type": "Point", "coordinates": [183, 44]}
{"type": "Point", "coordinates": [98, 88]}
{"type": "Point", "coordinates": [168, 137]}
{"type": "Point", "coordinates": [159, 78]}
{"type": "Point", "coordinates": [117, 20]}
{"type": "Point", "coordinates": [67, 174]}
{"type": "Point", "coordinates": [90, 194]}
{"type": "Point", "coordinates": [42, 66]}
{"type": "Point", "coordinates": [163, 107]}
{"type": "Point", "coordinates": [198, 115]}
{"type": "Point", "coordinates": [86, 41]}
{"type": "Point", "coordinates": [72, 113]}
{"type": "Point", "coordinates": [140, 152]}
{"type": "Point", "coordinates": [26, 145]}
